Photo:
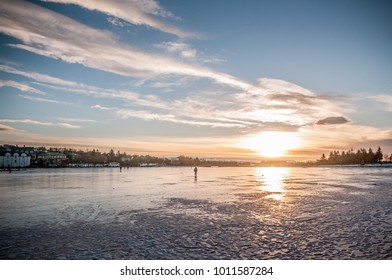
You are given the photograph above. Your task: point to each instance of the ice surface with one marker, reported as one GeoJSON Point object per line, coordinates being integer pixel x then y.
{"type": "Point", "coordinates": [229, 213]}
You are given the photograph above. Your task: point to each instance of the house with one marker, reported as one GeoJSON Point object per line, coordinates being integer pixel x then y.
{"type": "Point", "coordinates": [14, 160]}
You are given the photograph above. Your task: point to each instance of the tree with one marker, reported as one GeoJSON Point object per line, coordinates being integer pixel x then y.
{"type": "Point", "coordinates": [360, 157]}
{"type": "Point", "coordinates": [378, 156]}
{"type": "Point", "coordinates": [331, 158]}
{"type": "Point", "coordinates": [111, 155]}
{"type": "Point", "coordinates": [343, 157]}
{"type": "Point", "coordinates": [370, 156]}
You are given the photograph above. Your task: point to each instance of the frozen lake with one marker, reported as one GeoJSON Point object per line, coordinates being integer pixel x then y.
{"type": "Point", "coordinates": [224, 213]}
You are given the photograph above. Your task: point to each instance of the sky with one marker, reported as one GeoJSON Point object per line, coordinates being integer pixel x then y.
{"type": "Point", "coordinates": [215, 79]}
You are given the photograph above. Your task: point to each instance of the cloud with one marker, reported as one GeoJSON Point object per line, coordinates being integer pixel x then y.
{"type": "Point", "coordinates": [274, 107]}
{"type": "Point", "coordinates": [214, 60]}
{"type": "Point", "coordinates": [138, 12]}
{"type": "Point", "coordinates": [50, 34]}
{"type": "Point", "coordinates": [77, 120]}
{"type": "Point", "coordinates": [182, 49]}
{"type": "Point", "coordinates": [6, 128]}
{"type": "Point", "coordinates": [147, 115]}
{"type": "Point", "coordinates": [70, 86]}
{"type": "Point", "coordinates": [116, 21]}
{"type": "Point", "coordinates": [20, 86]}
{"type": "Point", "coordinates": [333, 120]}
{"type": "Point", "coordinates": [28, 121]}
{"type": "Point", "coordinates": [185, 50]}
{"type": "Point", "coordinates": [282, 102]}
{"type": "Point", "coordinates": [274, 104]}
{"type": "Point", "coordinates": [67, 125]}
{"type": "Point", "coordinates": [39, 99]}
{"type": "Point", "coordinates": [183, 107]}
{"type": "Point", "coordinates": [100, 107]}
{"type": "Point", "coordinates": [37, 76]}
{"type": "Point", "coordinates": [384, 99]}
{"type": "Point", "coordinates": [191, 53]}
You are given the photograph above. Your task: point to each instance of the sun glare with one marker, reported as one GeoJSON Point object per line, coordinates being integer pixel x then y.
{"type": "Point", "coordinates": [272, 143]}
{"type": "Point", "coordinates": [272, 180]}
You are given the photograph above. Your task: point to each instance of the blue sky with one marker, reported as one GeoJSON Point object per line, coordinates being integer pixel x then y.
{"type": "Point", "coordinates": [237, 79]}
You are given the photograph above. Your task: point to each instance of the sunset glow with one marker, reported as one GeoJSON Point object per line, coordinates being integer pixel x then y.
{"type": "Point", "coordinates": [169, 78]}
{"type": "Point", "coordinates": [272, 143]}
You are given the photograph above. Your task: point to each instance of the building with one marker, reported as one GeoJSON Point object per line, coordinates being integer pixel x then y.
{"type": "Point", "coordinates": [51, 158]}
{"type": "Point", "coordinates": [8, 160]}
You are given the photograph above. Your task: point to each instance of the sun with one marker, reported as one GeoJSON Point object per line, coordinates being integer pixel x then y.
{"type": "Point", "coordinates": [272, 143]}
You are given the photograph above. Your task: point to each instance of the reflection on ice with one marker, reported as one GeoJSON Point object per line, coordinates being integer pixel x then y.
{"type": "Point", "coordinates": [163, 213]}
{"type": "Point", "coordinates": [66, 196]}
{"type": "Point", "coordinates": [272, 181]}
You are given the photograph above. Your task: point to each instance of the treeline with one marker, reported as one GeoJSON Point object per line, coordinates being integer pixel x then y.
{"type": "Point", "coordinates": [96, 157]}
{"type": "Point", "coordinates": [362, 156]}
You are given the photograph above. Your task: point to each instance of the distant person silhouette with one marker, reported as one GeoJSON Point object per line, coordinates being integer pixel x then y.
{"type": "Point", "coordinates": [195, 170]}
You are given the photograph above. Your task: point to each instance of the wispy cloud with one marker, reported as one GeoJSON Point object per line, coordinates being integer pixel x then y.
{"type": "Point", "coordinates": [182, 49]}
{"type": "Point", "coordinates": [97, 106]}
{"type": "Point", "coordinates": [50, 34]}
{"type": "Point", "coordinates": [39, 99]}
{"type": "Point", "coordinates": [293, 107]}
{"type": "Point", "coordinates": [147, 115]}
{"type": "Point", "coordinates": [384, 99]}
{"type": "Point", "coordinates": [214, 60]}
{"type": "Point", "coordinates": [67, 125]}
{"type": "Point", "coordinates": [28, 121]}
{"type": "Point", "coordinates": [77, 120]}
{"type": "Point", "coordinates": [70, 86]}
{"type": "Point", "coordinates": [165, 82]}
{"type": "Point", "coordinates": [36, 76]}
{"type": "Point", "coordinates": [275, 103]}
{"type": "Point", "coordinates": [20, 86]}
{"type": "Point", "coordinates": [138, 12]}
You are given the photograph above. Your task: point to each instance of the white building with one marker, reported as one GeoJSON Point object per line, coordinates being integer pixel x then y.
{"type": "Point", "coordinates": [15, 160]}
